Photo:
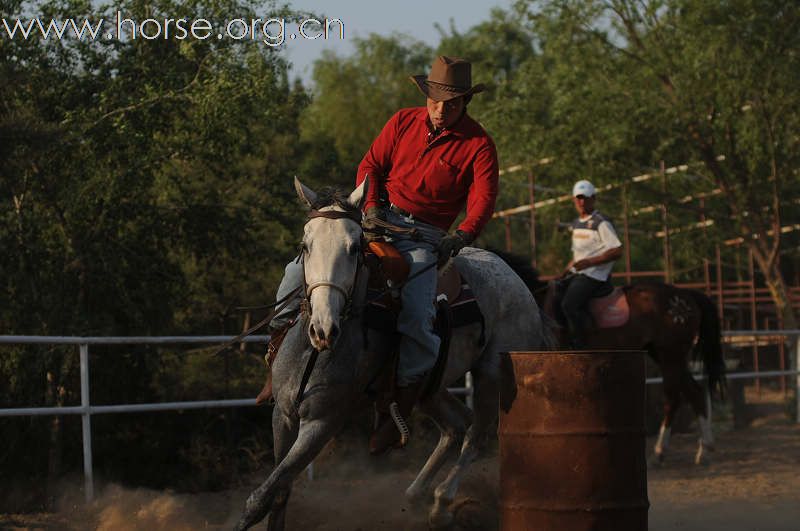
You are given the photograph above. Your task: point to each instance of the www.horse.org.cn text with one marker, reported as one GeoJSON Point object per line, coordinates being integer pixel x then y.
{"type": "Point", "coordinates": [273, 32]}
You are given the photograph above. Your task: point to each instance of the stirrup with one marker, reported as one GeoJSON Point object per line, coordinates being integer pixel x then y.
{"type": "Point", "coordinates": [400, 423]}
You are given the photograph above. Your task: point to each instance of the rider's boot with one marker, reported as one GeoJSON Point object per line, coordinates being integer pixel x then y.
{"type": "Point", "coordinates": [387, 435]}
{"type": "Point", "coordinates": [577, 329]}
{"type": "Point", "coordinates": [275, 340]}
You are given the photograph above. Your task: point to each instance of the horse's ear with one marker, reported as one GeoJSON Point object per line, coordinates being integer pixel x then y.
{"type": "Point", "coordinates": [359, 195]}
{"type": "Point", "coordinates": [305, 193]}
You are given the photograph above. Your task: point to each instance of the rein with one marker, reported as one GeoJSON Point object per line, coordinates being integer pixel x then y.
{"type": "Point", "coordinates": [279, 304]}
{"type": "Point", "coordinates": [389, 228]}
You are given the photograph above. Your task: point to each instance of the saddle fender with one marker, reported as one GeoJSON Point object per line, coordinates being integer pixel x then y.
{"type": "Point", "coordinates": [394, 266]}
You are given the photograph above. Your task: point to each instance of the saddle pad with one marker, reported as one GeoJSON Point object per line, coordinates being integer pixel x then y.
{"type": "Point", "coordinates": [610, 311]}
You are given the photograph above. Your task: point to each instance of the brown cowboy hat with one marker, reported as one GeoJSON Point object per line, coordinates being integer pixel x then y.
{"type": "Point", "coordinates": [450, 78]}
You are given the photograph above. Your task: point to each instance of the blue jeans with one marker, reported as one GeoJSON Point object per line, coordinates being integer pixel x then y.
{"type": "Point", "coordinates": [292, 279]}
{"type": "Point", "coordinates": [419, 345]}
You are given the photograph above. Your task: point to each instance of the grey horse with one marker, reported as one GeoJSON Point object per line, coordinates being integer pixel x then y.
{"type": "Point", "coordinates": [331, 331]}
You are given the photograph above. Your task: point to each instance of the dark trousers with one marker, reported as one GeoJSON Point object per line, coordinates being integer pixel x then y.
{"type": "Point", "coordinates": [575, 304]}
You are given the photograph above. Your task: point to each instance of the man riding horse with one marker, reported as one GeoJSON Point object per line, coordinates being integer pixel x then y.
{"type": "Point", "coordinates": [425, 166]}
{"type": "Point", "coordinates": [595, 246]}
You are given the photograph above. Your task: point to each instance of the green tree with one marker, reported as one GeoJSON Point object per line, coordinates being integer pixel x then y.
{"type": "Point", "coordinates": [145, 189]}
{"type": "Point", "coordinates": [355, 96]}
{"type": "Point", "coordinates": [497, 48]}
{"type": "Point", "coordinates": [630, 82]}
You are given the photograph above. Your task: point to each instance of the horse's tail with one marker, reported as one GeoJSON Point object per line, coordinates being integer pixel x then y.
{"type": "Point", "coordinates": [710, 343]}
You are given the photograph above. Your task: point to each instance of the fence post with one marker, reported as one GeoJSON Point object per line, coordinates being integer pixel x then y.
{"type": "Point", "coordinates": [626, 230]}
{"type": "Point", "coordinates": [86, 424]}
{"type": "Point", "coordinates": [665, 221]}
{"type": "Point", "coordinates": [797, 377]}
{"type": "Point", "coordinates": [753, 315]}
{"type": "Point", "coordinates": [720, 288]}
{"type": "Point", "coordinates": [532, 199]}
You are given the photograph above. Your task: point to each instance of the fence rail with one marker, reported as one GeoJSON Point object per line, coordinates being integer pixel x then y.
{"type": "Point", "coordinates": [86, 410]}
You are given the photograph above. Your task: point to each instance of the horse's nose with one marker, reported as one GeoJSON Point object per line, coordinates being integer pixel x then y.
{"type": "Point", "coordinates": [333, 334]}
{"type": "Point", "coordinates": [316, 333]}
{"type": "Point", "coordinates": [320, 339]}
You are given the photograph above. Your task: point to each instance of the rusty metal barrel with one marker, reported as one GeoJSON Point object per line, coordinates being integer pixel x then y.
{"type": "Point", "coordinates": [572, 444]}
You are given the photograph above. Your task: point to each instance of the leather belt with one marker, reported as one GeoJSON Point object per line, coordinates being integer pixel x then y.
{"type": "Point", "coordinates": [406, 214]}
{"type": "Point", "coordinates": [397, 210]}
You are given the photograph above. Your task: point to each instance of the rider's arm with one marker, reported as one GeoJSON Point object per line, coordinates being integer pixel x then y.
{"type": "Point", "coordinates": [608, 256]}
{"type": "Point", "coordinates": [612, 244]}
{"type": "Point", "coordinates": [483, 191]}
{"type": "Point", "coordinates": [378, 161]}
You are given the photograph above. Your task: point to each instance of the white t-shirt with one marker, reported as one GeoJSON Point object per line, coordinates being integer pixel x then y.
{"type": "Point", "coordinates": [592, 236]}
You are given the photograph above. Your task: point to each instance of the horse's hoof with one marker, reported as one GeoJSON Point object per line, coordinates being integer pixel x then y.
{"type": "Point", "coordinates": [655, 460]}
{"type": "Point", "coordinates": [701, 458]}
{"type": "Point", "coordinates": [703, 452]}
{"type": "Point", "coordinates": [440, 519]}
{"type": "Point", "coordinates": [415, 496]}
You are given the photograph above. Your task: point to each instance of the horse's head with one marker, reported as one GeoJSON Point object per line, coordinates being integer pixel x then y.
{"type": "Point", "coordinates": [332, 258]}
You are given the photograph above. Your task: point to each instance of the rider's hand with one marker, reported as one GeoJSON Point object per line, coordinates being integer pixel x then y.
{"type": "Point", "coordinates": [372, 214]}
{"type": "Point", "coordinates": [451, 244]}
{"type": "Point", "coordinates": [581, 264]}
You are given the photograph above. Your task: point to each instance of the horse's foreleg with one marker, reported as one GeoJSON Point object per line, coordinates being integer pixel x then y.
{"type": "Point", "coordinates": [452, 417]}
{"type": "Point", "coordinates": [312, 437]}
{"type": "Point", "coordinates": [284, 432]}
{"type": "Point", "coordinates": [486, 400]}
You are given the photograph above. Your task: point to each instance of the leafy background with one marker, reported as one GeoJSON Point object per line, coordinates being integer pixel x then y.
{"type": "Point", "coordinates": [145, 189]}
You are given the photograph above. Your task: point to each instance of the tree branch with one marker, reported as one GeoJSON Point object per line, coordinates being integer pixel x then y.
{"type": "Point", "coordinates": [174, 94]}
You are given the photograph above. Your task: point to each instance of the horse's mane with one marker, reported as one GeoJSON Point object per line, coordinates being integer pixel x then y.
{"type": "Point", "coordinates": [330, 196]}
{"type": "Point", "coordinates": [522, 267]}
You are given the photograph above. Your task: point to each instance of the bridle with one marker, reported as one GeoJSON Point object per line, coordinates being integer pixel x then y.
{"type": "Point", "coordinates": [305, 305]}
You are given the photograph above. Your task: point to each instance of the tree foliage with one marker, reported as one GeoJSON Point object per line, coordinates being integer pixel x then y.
{"type": "Point", "coordinates": [355, 96]}
{"type": "Point", "coordinates": [635, 82]}
{"type": "Point", "coordinates": [145, 186]}
{"type": "Point", "coordinates": [146, 190]}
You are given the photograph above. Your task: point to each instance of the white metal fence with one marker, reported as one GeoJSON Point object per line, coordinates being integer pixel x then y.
{"type": "Point", "coordinates": [86, 409]}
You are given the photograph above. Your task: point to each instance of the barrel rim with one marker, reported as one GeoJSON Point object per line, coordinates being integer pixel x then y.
{"type": "Point", "coordinates": [621, 351]}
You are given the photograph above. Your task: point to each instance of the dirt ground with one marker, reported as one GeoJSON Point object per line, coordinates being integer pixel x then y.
{"type": "Point", "coordinates": [753, 483]}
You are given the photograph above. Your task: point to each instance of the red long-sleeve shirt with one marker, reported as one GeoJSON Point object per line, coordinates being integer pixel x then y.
{"type": "Point", "coordinates": [434, 180]}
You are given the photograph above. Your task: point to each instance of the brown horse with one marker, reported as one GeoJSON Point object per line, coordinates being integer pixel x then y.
{"type": "Point", "coordinates": [670, 323]}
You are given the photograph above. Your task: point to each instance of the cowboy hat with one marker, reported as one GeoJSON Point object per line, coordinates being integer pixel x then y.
{"type": "Point", "coordinates": [450, 78]}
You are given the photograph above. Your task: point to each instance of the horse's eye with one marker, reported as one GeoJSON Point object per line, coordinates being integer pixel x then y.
{"type": "Point", "coordinates": [304, 247]}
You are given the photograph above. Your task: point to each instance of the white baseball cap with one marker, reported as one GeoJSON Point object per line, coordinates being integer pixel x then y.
{"type": "Point", "coordinates": [583, 188]}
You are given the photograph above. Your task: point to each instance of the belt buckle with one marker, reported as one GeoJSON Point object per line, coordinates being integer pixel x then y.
{"type": "Point", "coordinates": [408, 216]}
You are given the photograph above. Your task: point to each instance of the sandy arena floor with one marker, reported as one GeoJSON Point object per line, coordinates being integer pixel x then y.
{"type": "Point", "coordinates": [753, 483]}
